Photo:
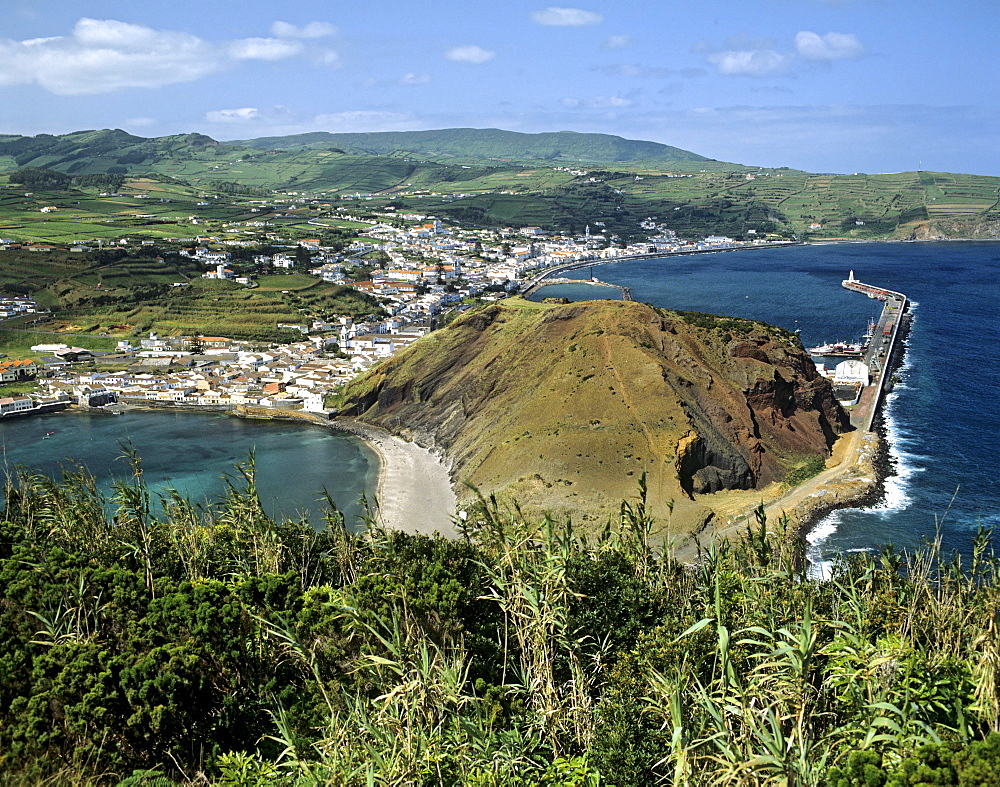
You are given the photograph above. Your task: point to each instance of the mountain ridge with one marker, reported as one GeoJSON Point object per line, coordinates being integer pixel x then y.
{"type": "Point", "coordinates": [461, 175]}
{"type": "Point", "coordinates": [489, 143]}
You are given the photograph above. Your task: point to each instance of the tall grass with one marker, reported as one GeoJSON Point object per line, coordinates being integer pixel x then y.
{"type": "Point", "coordinates": [740, 669]}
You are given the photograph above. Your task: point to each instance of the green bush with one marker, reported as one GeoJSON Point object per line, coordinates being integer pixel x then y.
{"type": "Point", "coordinates": [145, 646]}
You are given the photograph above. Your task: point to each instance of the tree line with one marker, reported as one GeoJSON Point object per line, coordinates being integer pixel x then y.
{"type": "Point", "coordinates": [42, 178]}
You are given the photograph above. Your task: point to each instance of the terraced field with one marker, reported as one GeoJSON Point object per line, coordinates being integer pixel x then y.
{"type": "Point", "coordinates": [695, 197]}
{"type": "Point", "coordinates": [959, 195]}
{"type": "Point", "coordinates": [107, 293]}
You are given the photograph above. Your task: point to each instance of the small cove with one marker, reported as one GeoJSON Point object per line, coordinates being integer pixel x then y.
{"type": "Point", "coordinates": [196, 452]}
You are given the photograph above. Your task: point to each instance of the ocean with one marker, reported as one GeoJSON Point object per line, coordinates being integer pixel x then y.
{"type": "Point", "coordinates": [197, 454]}
{"type": "Point", "coordinates": [941, 420]}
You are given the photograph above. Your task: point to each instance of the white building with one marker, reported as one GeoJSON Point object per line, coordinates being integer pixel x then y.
{"type": "Point", "coordinates": [19, 404]}
{"type": "Point", "coordinates": [852, 371]}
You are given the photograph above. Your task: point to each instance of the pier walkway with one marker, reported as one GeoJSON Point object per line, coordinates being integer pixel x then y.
{"type": "Point", "coordinates": [881, 348]}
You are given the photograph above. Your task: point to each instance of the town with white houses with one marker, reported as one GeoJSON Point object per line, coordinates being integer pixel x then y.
{"type": "Point", "coordinates": [426, 270]}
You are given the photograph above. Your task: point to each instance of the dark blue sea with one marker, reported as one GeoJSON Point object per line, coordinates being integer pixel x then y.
{"type": "Point", "coordinates": [196, 453]}
{"type": "Point", "coordinates": [943, 416]}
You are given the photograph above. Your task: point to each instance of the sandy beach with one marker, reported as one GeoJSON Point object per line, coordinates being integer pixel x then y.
{"type": "Point", "coordinates": [414, 488]}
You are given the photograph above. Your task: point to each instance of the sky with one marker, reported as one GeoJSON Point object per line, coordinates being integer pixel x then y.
{"type": "Point", "coordinates": [821, 85]}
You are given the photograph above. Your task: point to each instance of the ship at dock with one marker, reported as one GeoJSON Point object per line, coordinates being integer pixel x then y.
{"type": "Point", "coordinates": [840, 349]}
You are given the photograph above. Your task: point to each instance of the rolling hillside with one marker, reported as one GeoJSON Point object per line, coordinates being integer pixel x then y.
{"type": "Point", "coordinates": [491, 144]}
{"type": "Point", "coordinates": [561, 182]}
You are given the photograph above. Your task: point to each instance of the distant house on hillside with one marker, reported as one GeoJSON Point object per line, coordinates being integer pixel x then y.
{"type": "Point", "coordinates": [11, 371]}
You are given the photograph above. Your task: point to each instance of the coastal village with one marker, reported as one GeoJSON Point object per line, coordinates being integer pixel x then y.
{"type": "Point", "coordinates": [426, 271]}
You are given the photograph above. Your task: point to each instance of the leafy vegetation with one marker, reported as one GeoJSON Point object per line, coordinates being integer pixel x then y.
{"type": "Point", "coordinates": [810, 467]}
{"type": "Point", "coordinates": [41, 178]}
{"type": "Point", "coordinates": [213, 640]}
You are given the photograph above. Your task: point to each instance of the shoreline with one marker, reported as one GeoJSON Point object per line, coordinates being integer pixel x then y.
{"type": "Point", "coordinates": [881, 464]}
{"type": "Point", "coordinates": [539, 281]}
{"type": "Point", "coordinates": [861, 483]}
{"type": "Point", "coordinates": [855, 480]}
{"type": "Point", "coordinates": [413, 492]}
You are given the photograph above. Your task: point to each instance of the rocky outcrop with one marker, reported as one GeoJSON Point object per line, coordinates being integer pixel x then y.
{"type": "Point", "coordinates": [979, 228]}
{"type": "Point", "coordinates": [563, 406]}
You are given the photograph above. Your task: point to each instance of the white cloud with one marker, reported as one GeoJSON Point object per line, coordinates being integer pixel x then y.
{"type": "Point", "coordinates": [365, 120]}
{"type": "Point", "coordinates": [243, 115]}
{"type": "Point", "coordinates": [117, 35]}
{"type": "Point", "coordinates": [103, 56]}
{"type": "Point", "coordinates": [327, 57]}
{"type": "Point", "coordinates": [750, 62]}
{"type": "Point", "coordinates": [598, 102]}
{"type": "Point", "coordinates": [412, 78]}
{"type": "Point", "coordinates": [617, 42]}
{"type": "Point", "coordinates": [469, 54]}
{"type": "Point", "coordinates": [566, 17]}
{"type": "Point", "coordinates": [311, 30]}
{"type": "Point", "coordinates": [264, 49]}
{"type": "Point", "coordinates": [832, 46]}
{"type": "Point", "coordinates": [764, 58]}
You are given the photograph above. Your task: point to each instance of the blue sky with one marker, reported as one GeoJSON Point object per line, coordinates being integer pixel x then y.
{"type": "Point", "coordinates": [822, 85]}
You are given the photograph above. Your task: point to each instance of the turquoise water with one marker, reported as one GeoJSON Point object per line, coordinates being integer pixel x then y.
{"type": "Point", "coordinates": [195, 453]}
{"type": "Point", "coordinates": [943, 418]}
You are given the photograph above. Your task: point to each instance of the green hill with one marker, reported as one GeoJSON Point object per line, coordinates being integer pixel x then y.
{"type": "Point", "coordinates": [563, 407]}
{"type": "Point", "coordinates": [106, 151]}
{"type": "Point", "coordinates": [491, 144]}
{"type": "Point", "coordinates": [560, 181]}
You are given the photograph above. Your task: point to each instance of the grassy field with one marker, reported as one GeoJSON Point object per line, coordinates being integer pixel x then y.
{"type": "Point", "coordinates": [18, 343]}
{"type": "Point", "coordinates": [190, 186]}
{"type": "Point", "coordinates": [219, 308]}
{"type": "Point", "coordinates": [109, 293]}
{"type": "Point", "coordinates": [143, 209]}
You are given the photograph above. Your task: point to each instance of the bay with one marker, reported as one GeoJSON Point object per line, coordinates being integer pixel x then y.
{"type": "Point", "coordinates": [195, 453]}
{"type": "Point", "coordinates": [942, 418]}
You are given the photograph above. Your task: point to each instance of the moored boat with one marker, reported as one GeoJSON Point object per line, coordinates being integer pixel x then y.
{"type": "Point", "coordinates": [839, 349]}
